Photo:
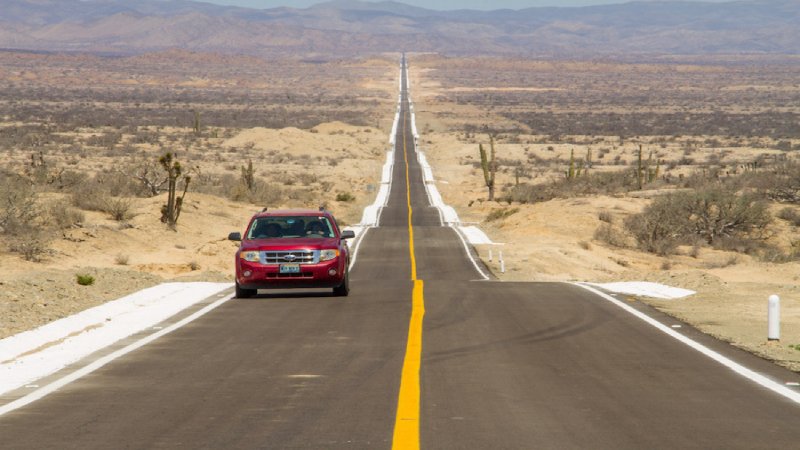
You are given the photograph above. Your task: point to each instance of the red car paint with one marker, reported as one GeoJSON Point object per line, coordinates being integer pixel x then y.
{"type": "Point", "coordinates": [290, 249]}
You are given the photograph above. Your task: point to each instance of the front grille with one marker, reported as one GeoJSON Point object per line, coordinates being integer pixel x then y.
{"type": "Point", "coordinates": [290, 275]}
{"type": "Point", "coordinates": [290, 257]}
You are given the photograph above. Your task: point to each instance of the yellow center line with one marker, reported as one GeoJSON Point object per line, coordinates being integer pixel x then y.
{"type": "Point", "coordinates": [410, 210]}
{"type": "Point", "coordinates": [406, 424]}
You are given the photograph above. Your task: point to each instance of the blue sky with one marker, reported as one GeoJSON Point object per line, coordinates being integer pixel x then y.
{"type": "Point", "coordinates": [430, 4]}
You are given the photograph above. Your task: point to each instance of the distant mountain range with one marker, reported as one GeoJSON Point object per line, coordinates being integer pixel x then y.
{"type": "Point", "coordinates": [348, 27]}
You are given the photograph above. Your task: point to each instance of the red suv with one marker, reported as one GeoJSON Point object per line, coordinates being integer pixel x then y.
{"type": "Point", "coordinates": [292, 249]}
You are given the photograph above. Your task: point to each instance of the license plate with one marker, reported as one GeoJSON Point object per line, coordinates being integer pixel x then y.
{"type": "Point", "coordinates": [290, 268]}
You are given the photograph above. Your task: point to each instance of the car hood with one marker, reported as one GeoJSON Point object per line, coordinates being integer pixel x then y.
{"type": "Point", "coordinates": [282, 244]}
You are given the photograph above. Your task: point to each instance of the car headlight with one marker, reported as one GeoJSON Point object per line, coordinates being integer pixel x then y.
{"type": "Point", "coordinates": [327, 255]}
{"type": "Point", "coordinates": [250, 256]}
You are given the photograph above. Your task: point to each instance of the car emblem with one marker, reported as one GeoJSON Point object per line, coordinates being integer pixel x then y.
{"type": "Point", "coordinates": [289, 258]}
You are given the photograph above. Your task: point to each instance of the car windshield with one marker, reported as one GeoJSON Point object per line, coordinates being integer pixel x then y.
{"type": "Point", "coordinates": [277, 227]}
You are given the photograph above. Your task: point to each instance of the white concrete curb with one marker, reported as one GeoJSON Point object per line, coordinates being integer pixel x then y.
{"type": "Point", "coordinates": [36, 353]}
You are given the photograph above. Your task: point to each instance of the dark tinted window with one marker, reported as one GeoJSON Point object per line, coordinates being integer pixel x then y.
{"type": "Point", "coordinates": [290, 227]}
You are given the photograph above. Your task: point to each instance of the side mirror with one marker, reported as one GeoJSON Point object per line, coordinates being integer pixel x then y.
{"type": "Point", "coordinates": [348, 234]}
{"type": "Point", "coordinates": [235, 236]}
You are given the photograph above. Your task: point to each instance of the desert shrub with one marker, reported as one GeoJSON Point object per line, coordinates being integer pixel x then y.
{"type": "Point", "coordinates": [265, 193]}
{"type": "Point", "coordinates": [301, 195]}
{"type": "Point", "coordinates": [661, 227]}
{"type": "Point", "coordinates": [719, 212]}
{"type": "Point", "coordinates": [773, 254]}
{"type": "Point", "coordinates": [146, 178]}
{"type": "Point", "coordinates": [119, 209]}
{"type": "Point", "coordinates": [63, 217]}
{"type": "Point", "coordinates": [611, 235]}
{"type": "Point", "coordinates": [219, 185]}
{"type": "Point", "coordinates": [84, 279]}
{"type": "Point", "coordinates": [601, 183]}
{"type": "Point", "coordinates": [500, 213]}
{"type": "Point", "coordinates": [605, 216]}
{"type": "Point", "coordinates": [20, 217]}
{"type": "Point", "coordinates": [18, 207]}
{"type": "Point", "coordinates": [119, 184]}
{"type": "Point", "coordinates": [731, 260]}
{"type": "Point", "coordinates": [526, 193]}
{"type": "Point", "coordinates": [345, 197]}
{"type": "Point", "coordinates": [307, 178]}
{"type": "Point", "coordinates": [107, 139]}
{"type": "Point", "coordinates": [122, 259]}
{"type": "Point", "coordinates": [93, 195]}
{"type": "Point", "coordinates": [229, 186]}
{"type": "Point", "coordinates": [781, 183]}
{"type": "Point", "coordinates": [31, 245]}
{"type": "Point", "coordinates": [719, 216]}
{"type": "Point", "coordinates": [790, 215]}
{"type": "Point", "coordinates": [739, 244]}
{"type": "Point", "coordinates": [90, 196]}
{"type": "Point", "coordinates": [68, 179]}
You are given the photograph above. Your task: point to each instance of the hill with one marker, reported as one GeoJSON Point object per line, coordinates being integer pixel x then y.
{"type": "Point", "coordinates": [347, 27]}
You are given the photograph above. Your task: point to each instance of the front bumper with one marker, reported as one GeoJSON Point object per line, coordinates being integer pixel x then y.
{"type": "Point", "coordinates": [257, 276]}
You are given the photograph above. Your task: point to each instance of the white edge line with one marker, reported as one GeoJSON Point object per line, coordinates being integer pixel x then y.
{"type": "Point", "coordinates": [98, 363]}
{"type": "Point", "coordinates": [357, 246]}
{"type": "Point", "coordinates": [727, 362]}
{"type": "Point", "coordinates": [469, 254]}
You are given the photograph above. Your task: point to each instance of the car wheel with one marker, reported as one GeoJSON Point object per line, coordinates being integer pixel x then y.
{"type": "Point", "coordinates": [343, 289]}
{"type": "Point", "coordinates": [244, 293]}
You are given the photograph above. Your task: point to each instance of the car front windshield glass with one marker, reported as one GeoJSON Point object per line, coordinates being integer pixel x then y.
{"type": "Point", "coordinates": [288, 227]}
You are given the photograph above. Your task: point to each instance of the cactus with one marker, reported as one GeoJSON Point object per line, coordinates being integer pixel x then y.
{"type": "Point", "coordinates": [571, 170]}
{"type": "Point", "coordinates": [588, 159]}
{"type": "Point", "coordinates": [248, 176]}
{"type": "Point", "coordinates": [581, 167]}
{"type": "Point", "coordinates": [172, 209]}
{"type": "Point", "coordinates": [653, 174]}
{"type": "Point", "coordinates": [196, 122]}
{"type": "Point", "coordinates": [640, 169]}
{"type": "Point", "coordinates": [489, 166]}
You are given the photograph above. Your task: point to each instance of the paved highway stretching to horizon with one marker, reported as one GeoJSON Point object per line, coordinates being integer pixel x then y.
{"type": "Point", "coordinates": [423, 353]}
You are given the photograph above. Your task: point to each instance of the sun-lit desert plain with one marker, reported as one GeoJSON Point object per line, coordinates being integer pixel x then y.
{"type": "Point", "coordinates": [589, 157]}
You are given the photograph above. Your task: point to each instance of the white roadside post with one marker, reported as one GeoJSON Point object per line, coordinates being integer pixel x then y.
{"type": "Point", "coordinates": [774, 318]}
{"type": "Point", "coordinates": [502, 263]}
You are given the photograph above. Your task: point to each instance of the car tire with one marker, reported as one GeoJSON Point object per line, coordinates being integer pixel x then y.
{"type": "Point", "coordinates": [244, 293]}
{"type": "Point", "coordinates": [343, 289]}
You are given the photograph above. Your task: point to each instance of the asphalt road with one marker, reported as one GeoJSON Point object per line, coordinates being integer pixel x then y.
{"type": "Point", "coordinates": [502, 366]}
